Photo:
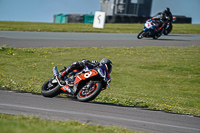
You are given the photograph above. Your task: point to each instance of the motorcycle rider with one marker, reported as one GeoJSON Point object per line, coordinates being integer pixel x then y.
{"type": "Point", "coordinates": [158, 24]}
{"type": "Point", "coordinates": [168, 14]}
{"type": "Point", "coordinates": [80, 65]}
{"type": "Point", "coordinates": [165, 17]}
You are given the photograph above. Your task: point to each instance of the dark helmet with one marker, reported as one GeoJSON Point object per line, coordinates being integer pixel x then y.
{"type": "Point", "coordinates": [108, 63]}
{"type": "Point", "coordinates": [167, 9]}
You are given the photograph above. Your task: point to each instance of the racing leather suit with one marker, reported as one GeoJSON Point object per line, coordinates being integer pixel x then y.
{"type": "Point", "coordinates": [79, 65]}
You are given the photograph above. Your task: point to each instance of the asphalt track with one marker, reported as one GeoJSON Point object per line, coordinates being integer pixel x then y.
{"type": "Point", "coordinates": [136, 119]}
{"type": "Point", "coordinates": [19, 39]}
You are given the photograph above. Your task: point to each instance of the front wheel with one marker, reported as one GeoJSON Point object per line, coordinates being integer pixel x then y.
{"type": "Point", "coordinates": [50, 89]}
{"type": "Point", "coordinates": [141, 35]}
{"type": "Point", "coordinates": [90, 91]}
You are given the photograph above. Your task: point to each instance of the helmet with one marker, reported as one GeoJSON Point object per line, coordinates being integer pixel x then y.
{"type": "Point", "coordinates": [108, 63]}
{"type": "Point", "coordinates": [167, 9]}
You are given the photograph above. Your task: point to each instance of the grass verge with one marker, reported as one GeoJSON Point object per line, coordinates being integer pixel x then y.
{"type": "Point", "coordinates": [24, 124]}
{"type": "Point", "coordinates": [162, 78]}
{"type": "Point", "coordinates": [81, 27]}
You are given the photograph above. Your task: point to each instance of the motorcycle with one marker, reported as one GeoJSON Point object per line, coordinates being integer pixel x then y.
{"type": "Point", "coordinates": [150, 26]}
{"type": "Point", "coordinates": [85, 85]}
{"type": "Point", "coordinates": [149, 30]}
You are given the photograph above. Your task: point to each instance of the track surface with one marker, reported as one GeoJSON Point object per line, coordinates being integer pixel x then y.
{"type": "Point", "coordinates": [96, 113]}
{"type": "Point", "coordinates": [18, 39]}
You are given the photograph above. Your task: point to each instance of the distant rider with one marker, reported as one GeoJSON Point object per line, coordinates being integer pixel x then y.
{"type": "Point", "coordinates": [165, 17]}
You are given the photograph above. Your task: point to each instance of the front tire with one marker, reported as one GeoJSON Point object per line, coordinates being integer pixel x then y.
{"type": "Point", "coordinates": [50, 90]}
{"type": "Point", "coordinates": [85, 95]}
{"type": "Point", "coordinates": [141, 35]}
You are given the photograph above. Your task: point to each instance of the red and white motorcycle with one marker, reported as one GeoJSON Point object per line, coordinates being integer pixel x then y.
{"type": "Point", "coordinates": [85, 85]}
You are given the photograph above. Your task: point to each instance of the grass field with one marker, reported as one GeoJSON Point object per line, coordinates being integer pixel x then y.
{"type": "Point", "coordinates": [22, 124]}
{"type": "Point", "coordinates": [81, 27]}
{"type": "Point", "coordinates": [163, 78]}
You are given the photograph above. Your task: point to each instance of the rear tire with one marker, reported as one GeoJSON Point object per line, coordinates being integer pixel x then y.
{"type": "Point", "coordinates": [168, 30]}
{"type": "Point", "coordinates": [52, 91]}
{"type": "Point", "coordinates": [84, 96]}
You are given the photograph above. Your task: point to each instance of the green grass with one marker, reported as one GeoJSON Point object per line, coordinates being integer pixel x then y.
{"type": "Point", "coordinates": [81, 27]}
{"type": "Point", "coordinates": [24, 124]}
{"type": "Point", "coordinates": [162, 78]}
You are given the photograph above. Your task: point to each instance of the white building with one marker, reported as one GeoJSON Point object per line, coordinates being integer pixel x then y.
{"type": "Point", "coordinates": [188, 8]}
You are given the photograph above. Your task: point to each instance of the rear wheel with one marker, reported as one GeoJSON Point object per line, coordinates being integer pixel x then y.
{"type": "Point", "coordinates": [89, 92]}
{"type": "Point", "coordinates": [50, 89]}
{"type": "Point", "coordinates": [168, 30]}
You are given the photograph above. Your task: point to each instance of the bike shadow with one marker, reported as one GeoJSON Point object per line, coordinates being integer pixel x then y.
{"type": "Point", "coordinates": [166, 39]}
{"type": "Point", "coordinates": [183, 35]}
{"type": "Point", "coordinates": [136, 105]}
{"type": "Point", "coordinates": [121, 105]}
